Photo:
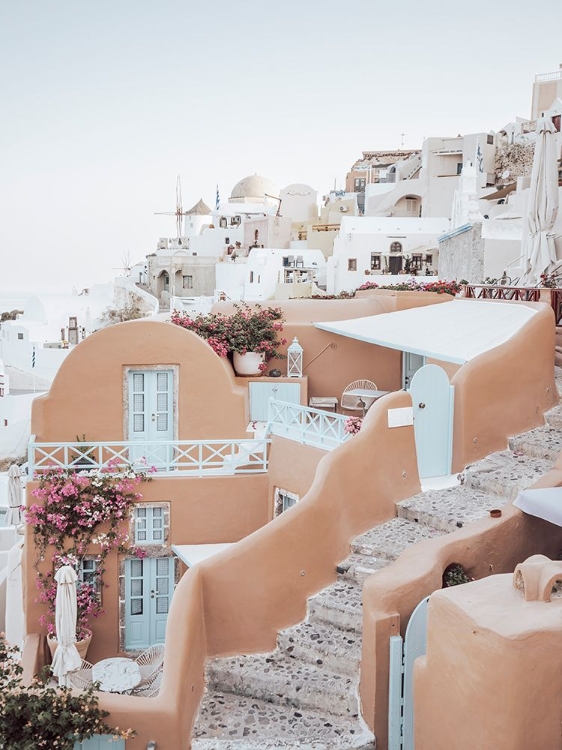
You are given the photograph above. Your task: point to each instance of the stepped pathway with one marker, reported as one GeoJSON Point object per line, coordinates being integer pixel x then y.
{"type": "Point", "coordinates": [304, 694]}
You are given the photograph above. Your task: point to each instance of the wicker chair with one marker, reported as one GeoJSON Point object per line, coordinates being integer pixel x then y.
{"type": "Point", "coordinates": [80, 678]}
{"type": "Point", "coordinates": [150, 661]}
{"type": "Point", "coordinates": [355, 403]}
{"type": "Point", "coordinates": [149, 687]}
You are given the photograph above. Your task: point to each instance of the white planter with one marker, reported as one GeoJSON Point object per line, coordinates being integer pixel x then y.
{"type": "Point", "coordinates": [248, 364]}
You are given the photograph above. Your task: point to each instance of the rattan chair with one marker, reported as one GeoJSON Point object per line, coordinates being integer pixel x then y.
{"type": "Point", "coordinates": [81, 678]}
{"type": "Point", "coordinates": [355, 403]}
{"type": "Point", "coordinates": [151, 686]}
{"type": "Point", "coordinates": [150, 661]}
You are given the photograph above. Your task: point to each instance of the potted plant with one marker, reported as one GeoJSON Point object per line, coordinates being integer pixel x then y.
{"type": "Point", "coordinates": [247, 331]}
{"type": "Point", "coordinates": [41, 715]}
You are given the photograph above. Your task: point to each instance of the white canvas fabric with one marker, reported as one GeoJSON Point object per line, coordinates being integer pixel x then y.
{"type": "Point", "coordinates": [545, 503]}
{"type": "Point", "coordinates": [66, 658]}
{"type": "Point", "coordinates": [15, 497]}
{"type": "Point", "coordinates": [539, 253]}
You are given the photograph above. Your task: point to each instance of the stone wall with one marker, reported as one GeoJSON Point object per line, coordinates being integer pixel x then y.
{"type": "Point", "coordinates": [461, 256]}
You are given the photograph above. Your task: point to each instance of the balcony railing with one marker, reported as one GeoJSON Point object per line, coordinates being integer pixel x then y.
{"type": "Point", "coordinates": [520, 293]}
{"type": "Point", "coordinates": [191, 457]}
{"type": "Point", "coordinates": [305, 425]}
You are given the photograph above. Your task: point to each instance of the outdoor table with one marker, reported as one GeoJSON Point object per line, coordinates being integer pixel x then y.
{"type": "Point", "coordinates": [365, 393]}
{"type": "Point", "coordinates": [116, 675]}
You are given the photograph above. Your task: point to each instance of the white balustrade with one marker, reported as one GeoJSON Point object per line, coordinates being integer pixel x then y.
{"type": "Point", "coordinates": [196, 457]}
{"type": "Point", "coordinates": [305, 425]}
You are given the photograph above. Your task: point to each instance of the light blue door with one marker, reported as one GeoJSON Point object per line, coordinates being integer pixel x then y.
{"type": "Point", "coordinates": [100, 742]}
{"type": "Point", "coordinates": [433, 403]}
{"type": "Point", "coordinates": [149, 585]}
{"type": "Point", "coordinates": [151, 415]}
{"type": "Point", "coordinates": [260, 393]}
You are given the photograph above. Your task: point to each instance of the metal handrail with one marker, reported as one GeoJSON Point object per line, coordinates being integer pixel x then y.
{"type": "Point", "coordinates": [195, 457]}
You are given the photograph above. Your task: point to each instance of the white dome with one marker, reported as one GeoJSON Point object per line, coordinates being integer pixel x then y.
{"type": "Point", "coordinates": [254, 189]}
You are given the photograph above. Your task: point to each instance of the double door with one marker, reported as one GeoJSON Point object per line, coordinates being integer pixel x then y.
{"type": "Point", "coordinates": [151, 418]}
{"type": "Point", "coordinates": [149, 585]}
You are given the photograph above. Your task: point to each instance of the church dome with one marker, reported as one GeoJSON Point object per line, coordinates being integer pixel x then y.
{"type": "Point", "coordinates": [254, 189]}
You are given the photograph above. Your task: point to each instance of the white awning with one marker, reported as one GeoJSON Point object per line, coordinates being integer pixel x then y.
{"type": "Point", "coordinates": [191, 554]}
{"type": "Point", "coordinates": [455, 331]}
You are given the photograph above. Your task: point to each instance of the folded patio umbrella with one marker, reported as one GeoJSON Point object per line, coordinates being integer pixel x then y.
{"type": "Point", "coordinates": [15, 496]}
{"type": "Point", "coordinates": [66, 658]}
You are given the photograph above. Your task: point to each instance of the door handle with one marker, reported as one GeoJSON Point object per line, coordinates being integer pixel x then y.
{"type": "Point", "coordinates": [421, 406]}
{"type": "Point", "coordinates": [154, 416]}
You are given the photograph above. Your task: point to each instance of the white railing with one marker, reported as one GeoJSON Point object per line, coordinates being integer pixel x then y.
{"type": "Point", "coordinates": [555, 75]}
{"type": "Point", "coordinates": [195, 457]}
{"type": "Point", "coordinates": [305, 425]}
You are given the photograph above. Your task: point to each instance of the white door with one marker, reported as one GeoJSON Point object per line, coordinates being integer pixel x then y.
{"type": "Point", "coordinates": [411, 363]}
{"type": "Point", "coordinates": [433, 403]}
{"type": "Point", "coordinates": [149, 585]}
{"type": "Point", "coordinates": [151, 418]}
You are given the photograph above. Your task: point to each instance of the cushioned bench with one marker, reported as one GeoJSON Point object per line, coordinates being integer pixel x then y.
{"type": "Point", "coordinates": [323, 402]}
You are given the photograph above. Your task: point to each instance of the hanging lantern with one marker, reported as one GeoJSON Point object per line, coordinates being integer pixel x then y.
{"type": "Point", "coordinates": [294, 360]}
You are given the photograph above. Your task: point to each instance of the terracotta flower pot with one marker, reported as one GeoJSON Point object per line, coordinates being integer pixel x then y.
{"type": "Point", "coordinates": [248, 364]}
{"type": "Point", "coordinates": [81, 646]}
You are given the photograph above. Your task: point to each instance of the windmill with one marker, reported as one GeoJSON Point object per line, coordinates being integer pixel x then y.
{"type": "Point", "coordinates": [179, 213]}
{"type": "Point", "coordinates": [126, 264]}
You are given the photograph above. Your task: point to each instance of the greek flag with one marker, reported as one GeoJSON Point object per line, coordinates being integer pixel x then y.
{"type": "Point", "coordinates": [218, 199]}
{"type": "Point", "coordinates": [33, 357]}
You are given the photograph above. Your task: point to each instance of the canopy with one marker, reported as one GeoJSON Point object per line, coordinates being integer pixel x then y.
{"type": "Point", "coordinates": [66, 658]}
{"type": "Point", "coordinates": [545, 503]}
{"type": "Point", "coordinates": [455, 331]}
{"type": "Point", "coordinates": [191, 554]}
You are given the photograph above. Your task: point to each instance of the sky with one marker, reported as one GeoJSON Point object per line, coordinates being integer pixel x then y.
{"type": "Point", "coordinates": [103, 103]}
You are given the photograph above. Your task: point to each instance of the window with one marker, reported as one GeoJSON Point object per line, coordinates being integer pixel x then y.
{"type": "Point", "coordinates": [188, 282]}
{"type": "Point", "coordinates": [235, 220]}
{"type": "Point", "coordinates": [223, 222]}
{"type": "Point", "coordinates": [20, 336]}
{"type": "Point", "coordinates": [490, 140]}
{"type": "Point", "coordinates": [352, 264]}
{"type": "Point", "coordinates": [395, 247]}
{"type": "Point", "coordinates": [411, 204]}
{"type": "Point", "coordinates": [359, 184]}
{"type": "Point", "coordinates": [459, 167]}
{"type": "Point", "coordinates": [284, 500]}
{"type": "Point", "coordinates": [375, 262]}
{"type": "Point", "coordinates": [149, 524]}
{"type": "Point", "coordinates": [87, 572]}
{"type": "Point", "coordinates": [429, 259]}
{"type": "Point", "coordinates": [251, 277]}
{"type": "Point", "coordinates": [416, 261]}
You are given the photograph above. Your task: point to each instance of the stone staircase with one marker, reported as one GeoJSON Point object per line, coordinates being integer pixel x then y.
{"type": "Point", "coordinates": [304, 694]}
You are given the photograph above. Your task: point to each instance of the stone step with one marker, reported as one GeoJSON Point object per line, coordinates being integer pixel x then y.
{"type": "Point", "coordinates": [390, 539]}
{"type": "Point", "coordinates": [448, 509]}
{"type": "Point", "coordinates": [234, 721]}
{"type": "Point", "coordinates": [339, 605]}
{"type": "Point", "coordinates": [276, 678]}
{"type": "Point", "coordinates": [553, 417]}
{"type": "Point", "coordinates": [321, 645]}
{"type": "Point", "coordinates": [543, 442]}
{"type": "Point", "coordinates": [357, 568]}
{"type": "Point", "coordinates": [504, 474]}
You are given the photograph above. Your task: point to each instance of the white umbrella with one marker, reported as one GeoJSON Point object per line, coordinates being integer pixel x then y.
{"type": "Point", "coordinates": [539, 254]}
{"type": "Point", "coordinates": [66, 658]}
{"type": "Point", "coordinates": [15, 496]}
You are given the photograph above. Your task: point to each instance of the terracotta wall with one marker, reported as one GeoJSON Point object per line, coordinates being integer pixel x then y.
{"type": "Point", "coordinates": [489, 406]}
{"type": "Point", "coordinates": [202, 511]}
{"type": "Point", "coordinates": [86, 397]}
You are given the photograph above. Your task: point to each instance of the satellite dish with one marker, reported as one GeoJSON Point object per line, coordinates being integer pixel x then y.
{"type": "Point", "coordinates": [505, 174]}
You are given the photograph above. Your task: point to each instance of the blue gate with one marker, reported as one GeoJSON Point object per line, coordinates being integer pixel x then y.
{"type": "Point", "coordinates": [403, 654]}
